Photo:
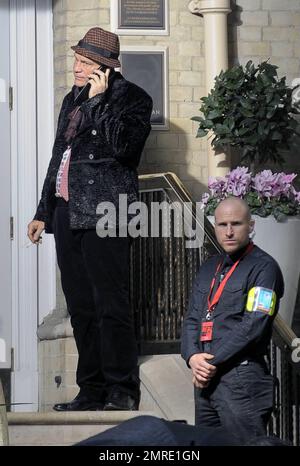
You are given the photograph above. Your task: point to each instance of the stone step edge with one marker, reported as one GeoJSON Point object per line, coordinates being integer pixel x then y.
{"type": "Point", "coordinates": [75, 417]}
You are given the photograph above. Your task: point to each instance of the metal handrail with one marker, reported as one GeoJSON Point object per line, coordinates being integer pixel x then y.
{"type": "Point", "coordinates": [285, 333]}
{"type": "Point", "coordinates": [285, 418]}
{"type": "Point", "coordinates": [183, 195]}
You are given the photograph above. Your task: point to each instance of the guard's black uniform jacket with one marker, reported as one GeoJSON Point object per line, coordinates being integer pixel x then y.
{"type": "Point", "coordinates": [237, 333]}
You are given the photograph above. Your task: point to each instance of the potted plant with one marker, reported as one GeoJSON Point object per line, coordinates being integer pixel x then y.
{"type": "Point", "coordinates": [266, 193]}
{"type": "Point", "coordinates": [273, 197]}
{"type": "Point", "coordinates": [251, 109]}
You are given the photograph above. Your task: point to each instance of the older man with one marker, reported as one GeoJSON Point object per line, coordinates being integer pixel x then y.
{"type": "Point", "coordinates": [228, 326]}
{"type": "Point", "coordinates": [102, 128]}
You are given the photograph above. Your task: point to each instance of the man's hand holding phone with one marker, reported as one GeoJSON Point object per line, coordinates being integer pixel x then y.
{"type": "Point", "coordinates": [98, 81]}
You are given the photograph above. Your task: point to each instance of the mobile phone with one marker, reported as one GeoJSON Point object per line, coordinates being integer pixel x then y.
{"type": "Point", "coordinates": [84, 93]}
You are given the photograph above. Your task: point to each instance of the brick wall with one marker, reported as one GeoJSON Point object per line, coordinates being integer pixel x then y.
{"type": "Point", "coordinates": [268, 29]}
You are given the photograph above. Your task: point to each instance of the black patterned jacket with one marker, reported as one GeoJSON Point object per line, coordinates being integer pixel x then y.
{"type": "Point", "coordinates": [105, 152]}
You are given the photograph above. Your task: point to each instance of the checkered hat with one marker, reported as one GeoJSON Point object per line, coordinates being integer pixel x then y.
{"type": "Point", "coordinates": [101, 46]}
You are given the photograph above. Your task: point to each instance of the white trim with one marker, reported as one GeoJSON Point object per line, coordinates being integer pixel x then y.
{"type": "Point", "coordinates": [114, 22]}
{"type": "Point", "coordinates": [5, 192]}
{"type": "Point", "coordinates": [45, 136]}
{"type": "Point", "coordinates": [24, 313]}
{"type": "Point", "coordinates": [33, 274]}
{"type": "Point", "coordinates": [165, 51]}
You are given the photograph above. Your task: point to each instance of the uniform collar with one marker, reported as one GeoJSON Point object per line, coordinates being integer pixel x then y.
{"type": "Point", "coordinates": [230, 259]}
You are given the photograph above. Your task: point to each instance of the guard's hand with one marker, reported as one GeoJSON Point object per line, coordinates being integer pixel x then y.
{"type": "Point", "coordinates": [99, 82]}
{"type": "Point", "coordinates": [34, 231]}
{"type": "Point", "coordinates": [199, 384]}
{"type": "Point", "coordinates": [202, 370]}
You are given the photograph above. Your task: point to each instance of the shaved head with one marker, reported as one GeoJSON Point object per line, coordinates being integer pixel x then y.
{"type": "Point", "coordinates": [233, 224]}
{"type": "Point", "coordinates": [234, 201]}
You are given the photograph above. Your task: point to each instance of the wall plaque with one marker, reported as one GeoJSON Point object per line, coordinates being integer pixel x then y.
{"type": "Point", "coordinates": [140, 17]}
{"type": "Point", "coordinates": [148, 69]}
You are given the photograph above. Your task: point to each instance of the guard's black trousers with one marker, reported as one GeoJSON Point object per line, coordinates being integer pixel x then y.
{"type": "Point", "coordinates": [240, 401]}
{"type": "Point", "coordinates": [95, 281]}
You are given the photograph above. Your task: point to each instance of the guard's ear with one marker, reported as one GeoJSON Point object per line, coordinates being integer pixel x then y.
{"type": "Point", "coordinates": [251, 226]}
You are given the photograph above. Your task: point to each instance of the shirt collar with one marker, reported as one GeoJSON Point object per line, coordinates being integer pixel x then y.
{"type": "Point", "coordinates": [230, 259]}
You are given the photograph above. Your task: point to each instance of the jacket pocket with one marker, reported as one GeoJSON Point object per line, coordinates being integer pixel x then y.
{"type": "Point", "coordinates": [233, 297]}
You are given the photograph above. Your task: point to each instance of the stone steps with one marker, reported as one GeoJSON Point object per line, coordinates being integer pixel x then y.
{"type": "Point", "coordinates": [166, 392]}
{"type": "Point", "coordinates": [62, 429]}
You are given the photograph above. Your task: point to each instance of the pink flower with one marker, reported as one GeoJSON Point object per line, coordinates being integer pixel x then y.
{"type": "Point", "coordinates": [238, 181]}
{"type": "Point", "coordinates": [258, 190]}
{"type": "Point", "coordinates": [204, 200]}
{"type": "Point", "coordinates": [283, 184]}
{"type": "Point", "coordinates": [264, 183]}
{"type": "Point", "coordinates": [269, 184]}
{"type": "Point", "coordinates": [217, 187]}
{"type": "Point", "coordinates": [296, 195]}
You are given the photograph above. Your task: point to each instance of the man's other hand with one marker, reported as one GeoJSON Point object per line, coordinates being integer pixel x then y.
{"type": "Point", "coordinates": [34, 231]}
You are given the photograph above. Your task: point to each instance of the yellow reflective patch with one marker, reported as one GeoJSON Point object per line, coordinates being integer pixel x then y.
{"type": "Point", "coordinates": [262, 300]}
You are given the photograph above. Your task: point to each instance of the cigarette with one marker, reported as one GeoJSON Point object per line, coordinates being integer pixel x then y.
{"type": "Point", "coordinates": [30, 243]}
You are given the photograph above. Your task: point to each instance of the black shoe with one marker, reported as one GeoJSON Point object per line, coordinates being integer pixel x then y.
{"type": "Point", "coordinates": [118, 400]}
{"type": "Point", "coordinates": [80, 403]}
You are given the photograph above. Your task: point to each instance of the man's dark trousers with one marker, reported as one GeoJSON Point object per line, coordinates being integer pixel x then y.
{"type": "Point", "coordinates": [95, 281]}
{"type": "Point", "coordinates": [240, 400]}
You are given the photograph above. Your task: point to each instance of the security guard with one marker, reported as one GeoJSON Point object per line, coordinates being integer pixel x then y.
{"type": "Point", "coordinates": [228, 326]}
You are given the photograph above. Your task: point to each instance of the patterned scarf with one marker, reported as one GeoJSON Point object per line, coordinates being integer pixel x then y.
{"type": "Point", "coordinates": [75, 117]}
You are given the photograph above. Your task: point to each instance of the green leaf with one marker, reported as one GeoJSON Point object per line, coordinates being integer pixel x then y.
{"type": "Point", "coordinates": [209, 124]}
{"type": "Point", "coordinates": [271, 113]}
{"type": "Point", "coordinates": [201, 133]}
{"type": "Point", "coordinates": [221, 129]}
{"type": "Point", "coordinates": [246, 104]}
{"type": "Point", "coordinates": [244, 131]}
{"type": "Point", "coordinates": [276, 136]}
{"type": "Point", "coordinates": [214, 114]}
{"type": "Point", "coordinates": [253, 139]}
{"type": "Point", "coordinates": [247, 113]}
{"type": "Point", "coordinates": [197, 118]}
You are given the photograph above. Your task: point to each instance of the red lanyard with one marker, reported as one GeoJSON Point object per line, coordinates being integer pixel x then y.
{"type": "Point", "coordinates": [217, 296]}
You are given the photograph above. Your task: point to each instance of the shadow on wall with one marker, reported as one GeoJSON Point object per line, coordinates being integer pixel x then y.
{"type": "Point", "coordinates": [291, 157]}
{"type": "Point", "coordinates": [179, 152]}
{"type": "Point", "coordinates": [234, 20]}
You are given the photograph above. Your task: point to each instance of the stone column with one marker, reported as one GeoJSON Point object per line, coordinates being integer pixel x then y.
{"type": "Point", "coordinates": [215, 14]}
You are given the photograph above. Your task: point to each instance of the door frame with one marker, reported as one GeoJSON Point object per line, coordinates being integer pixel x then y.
{"type": "Point", "coordinates": [33, 268]}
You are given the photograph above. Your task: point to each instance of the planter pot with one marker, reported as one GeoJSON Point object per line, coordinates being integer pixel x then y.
{"type": "Point", "coordinates": [281, 241]}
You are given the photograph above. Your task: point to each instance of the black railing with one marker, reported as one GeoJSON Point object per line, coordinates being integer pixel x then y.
{"type": "Point", "coordinates": [285, 422]}
{"type": "Point", "coordinates": [162, 274]}
{"type": "Point", "coordinates": [163, 268]}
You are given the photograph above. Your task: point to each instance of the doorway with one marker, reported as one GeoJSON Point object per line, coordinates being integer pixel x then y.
{"type": "Point", "coordinates": [27, 284]}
